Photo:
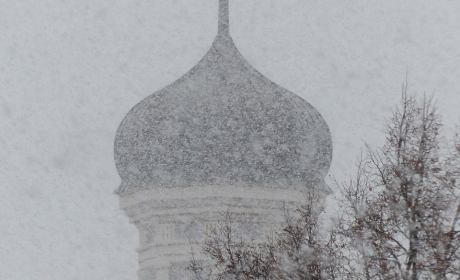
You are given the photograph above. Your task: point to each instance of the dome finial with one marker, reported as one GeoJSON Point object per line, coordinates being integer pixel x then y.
{"type": "Point", "coordinates": [224, 25]}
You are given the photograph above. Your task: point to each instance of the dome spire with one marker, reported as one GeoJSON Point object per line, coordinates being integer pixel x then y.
{"type": "Point", "coordinates": [224, 25]}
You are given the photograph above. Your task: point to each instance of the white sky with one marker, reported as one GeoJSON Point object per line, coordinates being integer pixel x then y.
{"type": "Point", "coordinates": [71, 70]}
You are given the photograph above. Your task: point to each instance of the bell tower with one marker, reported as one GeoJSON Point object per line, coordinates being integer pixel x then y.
{"type": "Point", "coordinates": [221, 138]}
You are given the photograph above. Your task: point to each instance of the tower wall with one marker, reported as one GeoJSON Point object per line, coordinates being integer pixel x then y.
{"type": "Point", "coordinates": [169, 220]}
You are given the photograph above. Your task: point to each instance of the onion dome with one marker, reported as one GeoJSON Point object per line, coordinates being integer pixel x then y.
{"type": "Point", "coordinates": [222, 123]}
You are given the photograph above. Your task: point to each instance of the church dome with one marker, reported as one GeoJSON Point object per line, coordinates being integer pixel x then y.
{"type": "Point", "coordinates": [222, 123]}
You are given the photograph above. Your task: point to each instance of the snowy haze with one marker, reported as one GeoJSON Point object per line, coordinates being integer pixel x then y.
{"type": "Point", "coordinates": [71, 70]}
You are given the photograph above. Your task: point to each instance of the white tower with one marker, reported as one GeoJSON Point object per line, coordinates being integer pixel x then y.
{"type": "Point", "coordinates": [221, 138]}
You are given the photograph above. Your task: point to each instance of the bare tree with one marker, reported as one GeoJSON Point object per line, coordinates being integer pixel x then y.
{"type": "Point", "coordinates": [232, 256]}
{"type": "Point", "coordinates": [399, 216]}
{"type": "Point", "coordinates": [401, 213]}
{"type": "Point", "coordinates": [296, 252]}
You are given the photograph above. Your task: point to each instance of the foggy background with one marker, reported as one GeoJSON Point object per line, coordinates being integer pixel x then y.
{"type": "Point", "coordinates": [71, 70]}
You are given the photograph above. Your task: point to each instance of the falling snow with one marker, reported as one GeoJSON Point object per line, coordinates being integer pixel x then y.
{"type": "Point", "coordinates": [71, 70]}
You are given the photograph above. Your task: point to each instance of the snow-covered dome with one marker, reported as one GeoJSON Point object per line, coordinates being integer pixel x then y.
{"type": "Point", "coordinates": [222, 123]}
